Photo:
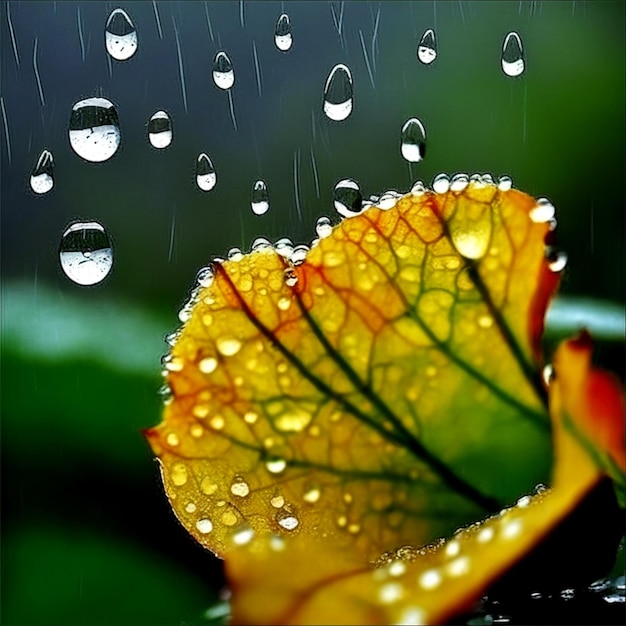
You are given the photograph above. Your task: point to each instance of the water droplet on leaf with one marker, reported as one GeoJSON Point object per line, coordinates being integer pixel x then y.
{"type": "Point", "coordinates": [86, 253]}
{"type": "Point", "coordinates": [441, 183]}
{"type": "Point", "coordinates": [338, 93]}
{"type": "Point", "coordinates": [323, 227]}
{"type": "Point", "coordinates": [205, 526]}
{"type": "Point", "coordinates": [94, 129]}
{"type": "Point", "coordinates": [557, 259]}
{"type": "Point", "coordinates": [542, 212]}
{"type": "Point", "coordinates": [240, 488]}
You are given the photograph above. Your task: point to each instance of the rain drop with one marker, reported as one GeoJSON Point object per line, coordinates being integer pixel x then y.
{"type": "Point", "coordinates": [323, 227]}
{"type": "Point", "coordinates": [86, 253]}
{"type": "Point", "coordinates": [413, 140]}
{"type": "Point", "coordinates": [542, 212]}
{"type": "Point", "coordinates": [441, 183]}
{"type": "Point", "coordinates": [347, 197]}
{"type": "Point", "coordinates": [42, 178]}
{"type": "Point", "coordinates": [283, 37]}
{"type": "Point", "coordinates": [427, 47]}
{"type": "Point", "coordinates": [120, 36]}
{"type": "Point", "coordinates": [512, 55]}
{"type": "Point", "coordinates": [223, 73]}
{"type": "Point", "coordinates": [94, 129]}
{"type": "Point", "coordinates": [260, 198]}
{"type": "Point", "coordinates": [205, 173]}
{"type": "Point", "coordinates": [338, 93]}
{"type": "Point", "coordinates": [160, 130]}
{"type": "Point", "coordinates": [557, 259]}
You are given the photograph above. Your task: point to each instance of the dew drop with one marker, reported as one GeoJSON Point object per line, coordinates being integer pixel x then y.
{"type": "Point", "coordinates": [160, 130]}
{"type": "Point", "coordinates": [240, 488]}
{"type": "Point", "coordinates": [178, 474]}
{"type": "Point", "coordinates": [208, 365]}
{"type": "Point", "coordinates": [512, 55]}
{"type": "Point", "coordinates": [120, 36]}
{"type": "Point", "coordinates": [347, 197]}
{"type": "Point", "coordinates": [459, 182]}
{"type": "Point", "coordinates": [42, 177]}
{"type": "Point", "coordinates": [413, 140]}
{"type": "Point", "coordinates": [542, 212]}
{"type": "Point", "coordinates": [234, 254]}
{"type": "Point", "coordinates": [471, 237]}
{"type": "Point", "coordinates": [229, 518]}
{"type": "Point", "coordinates": [441, 183]}
{"type": "Point", "coordinates": [505, 183]}
{"type": "Point", "coordinates": [205, 173]}
{"type": "Point", "coordinates": [228, 346]}
{"type": "Point", "coordinates": [557, 259]}
{"type": "Point", "coordinates": [205, 276]}
{"type": "Point", "coordinates": [190, 507]}
{"type": "Point", "coordinates": [338, 93]}
{"type": "Point", "coordinates": [243, 535]}
{"type": "Point", "coordinates": [283, 37]}
{"type": "Point", "coordinates": [205, 526]}
{"type": "Point", "coordinates": [284, 247]}
{"type": "Point", "coordinates": [291, 278]}
{"type": "Point", "coordinates": [299, 254]}
{"type": "Point", "coordinates": [278, 502]}
{"type": "Point", "coordinates": [94, 129]}
{"type": "Point", "coordinates": [523, 502]}
{"type": "Point", "coordinates": [260, 198]}
{"type": "Point", "coordinates": [287, 521]}
{"type": "Point", "coordinates": [427, 47]}
{"type": "Point", "coordinates": [86, 253]}
{"type": "Point", "coordinates": [312, 495]}
{"type": "Point", "coordinates": [323, 227]}
{"type": "Point", "coordinates": [283, 303]}
{"type": "Point", "coordinates": [223, 73]}
{"type": "Point", "coordinates": [276, 465]}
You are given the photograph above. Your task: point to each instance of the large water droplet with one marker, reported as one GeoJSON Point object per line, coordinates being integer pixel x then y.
{"type": "Point", "coordinates": [223, 73]}
{"type": "Point", "coordinates": [160, 130]}
{"type": "Point", "coordinates": [427, 47]}
{"type": "Point", "coordinates": [86, 253]}
{"type": "Point", "coordinates": [471, 235]}
{"type": "Point", "coordinates": [94, 129]}
{"type": "Point", "coordinates": [42, 178]}
{"type": "Point", "coordinates": [282, 36]}
{"type": "Point", "coordinates": [205, 173]}
{"type": "Point", "coordinates": [347, 197]}
{"type": "Point", "coordinates": [413, 140]}
{"type": "Point", "coordinates": [120, 35]}
{"type": "Point", "coordinates": [512, 55]}
{"type": "Point", "coordinates": [338, 93]}
{"type": "Point", "coordinates": [260, 198]}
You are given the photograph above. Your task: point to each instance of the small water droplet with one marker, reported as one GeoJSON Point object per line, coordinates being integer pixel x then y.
{"type": "Point", "coordinates": [217, 422]}
{"type": "Point", "coordinates": [276, 465]}
{"type": "Point", "coordinates": [207, 486]}
{"type": "Point", "coordinates": [260, 198]}
{"type": "Point", "coordinates": [441, 183]}
{"type": "Point", "coordinates": [250, 417]}
{"type": "Point", "coordinates": [283, 303]}
{"type": "Point", "coordinates": [347, 197]}
{"type": "Point", "coordinates": [178, 474]}
{"type": "Point", "coordinates": [427, 47]}
{"type": "Point", "coordinates": [505, 183]}
{"type": "Point", "coordinates": [278, 502]}
{"type": "Point", "coordinates": [86, 253]}
{"type": "Point", "coordinates": [459, 182]}
{"type": "Point", "coordinates": [390, 593]}
{"type": "Point", "coordinates": [291, 278]}
{"type": "Point", "coordinates": [312, 494]}
{"type": "Point", "coordinates": [223, 73]}
{"type": "Point", "coordinates": [240, 488]}
{"type": "Point", "coordinates": [172, 439]}
{"type": "Point", "coordinates": [42, 177]}
{"type": "Point", "coordinates": [208, 365]}
{"type": "Point", "coordinates": [94, 129]}
{"type": "Point", "coordinates": [418, 188]}
{"type": "Point", "coordinates": [283, 37]}
{"type": "Point", "coordinates": [205, 526]}
{"type": "Point", "coordinates": [338, 93]}
{"type": "Point", "coordinates": [243, 534]}
{"type": "Point", "coordinates": [542, 212]}
{"type": "Point", "coordinates": [557, 259]}
{"type": "Point", "coordinates": [512, 55]}
{"type": "Point", "coordinates": [413, 140]}
{"type": "Point", "coordinates": [190, 507]}
{"type": "Point", "coordinates": [120, 36]}
{"type": "Point", "coordinates": [205, 173]}
{"type": "Point", "coordinates": [323, 227]}
{"type": "Point", "coordinates": [299, 253]}
{"type": "Point", "coordinates": [196, 430]}
{"type": "Point", "coordinates": [205, 276]}
{"type": "Point", "coordinates": [234, 254]}
{"type": "Point", "coordinates": [430, 579]}
{"type": "Point", "coordinates": [388, 200]}
{"type": "Point", "coordinates": [160, 130]}
{"type": "Point", "coordinates": [284, 247]}
{"type": "Point", "coordinates": [287, 521]}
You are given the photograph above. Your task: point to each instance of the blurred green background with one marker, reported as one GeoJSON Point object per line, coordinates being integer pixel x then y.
{"type": "Point", "coordinates": [87, 534]}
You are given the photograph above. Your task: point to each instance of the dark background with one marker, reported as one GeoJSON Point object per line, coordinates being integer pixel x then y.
{"type": "Point", "coordinates": [87, 534]}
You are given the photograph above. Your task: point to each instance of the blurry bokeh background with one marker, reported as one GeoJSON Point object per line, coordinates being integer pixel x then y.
{"type": "Point", "coordinates": [87, 534]}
